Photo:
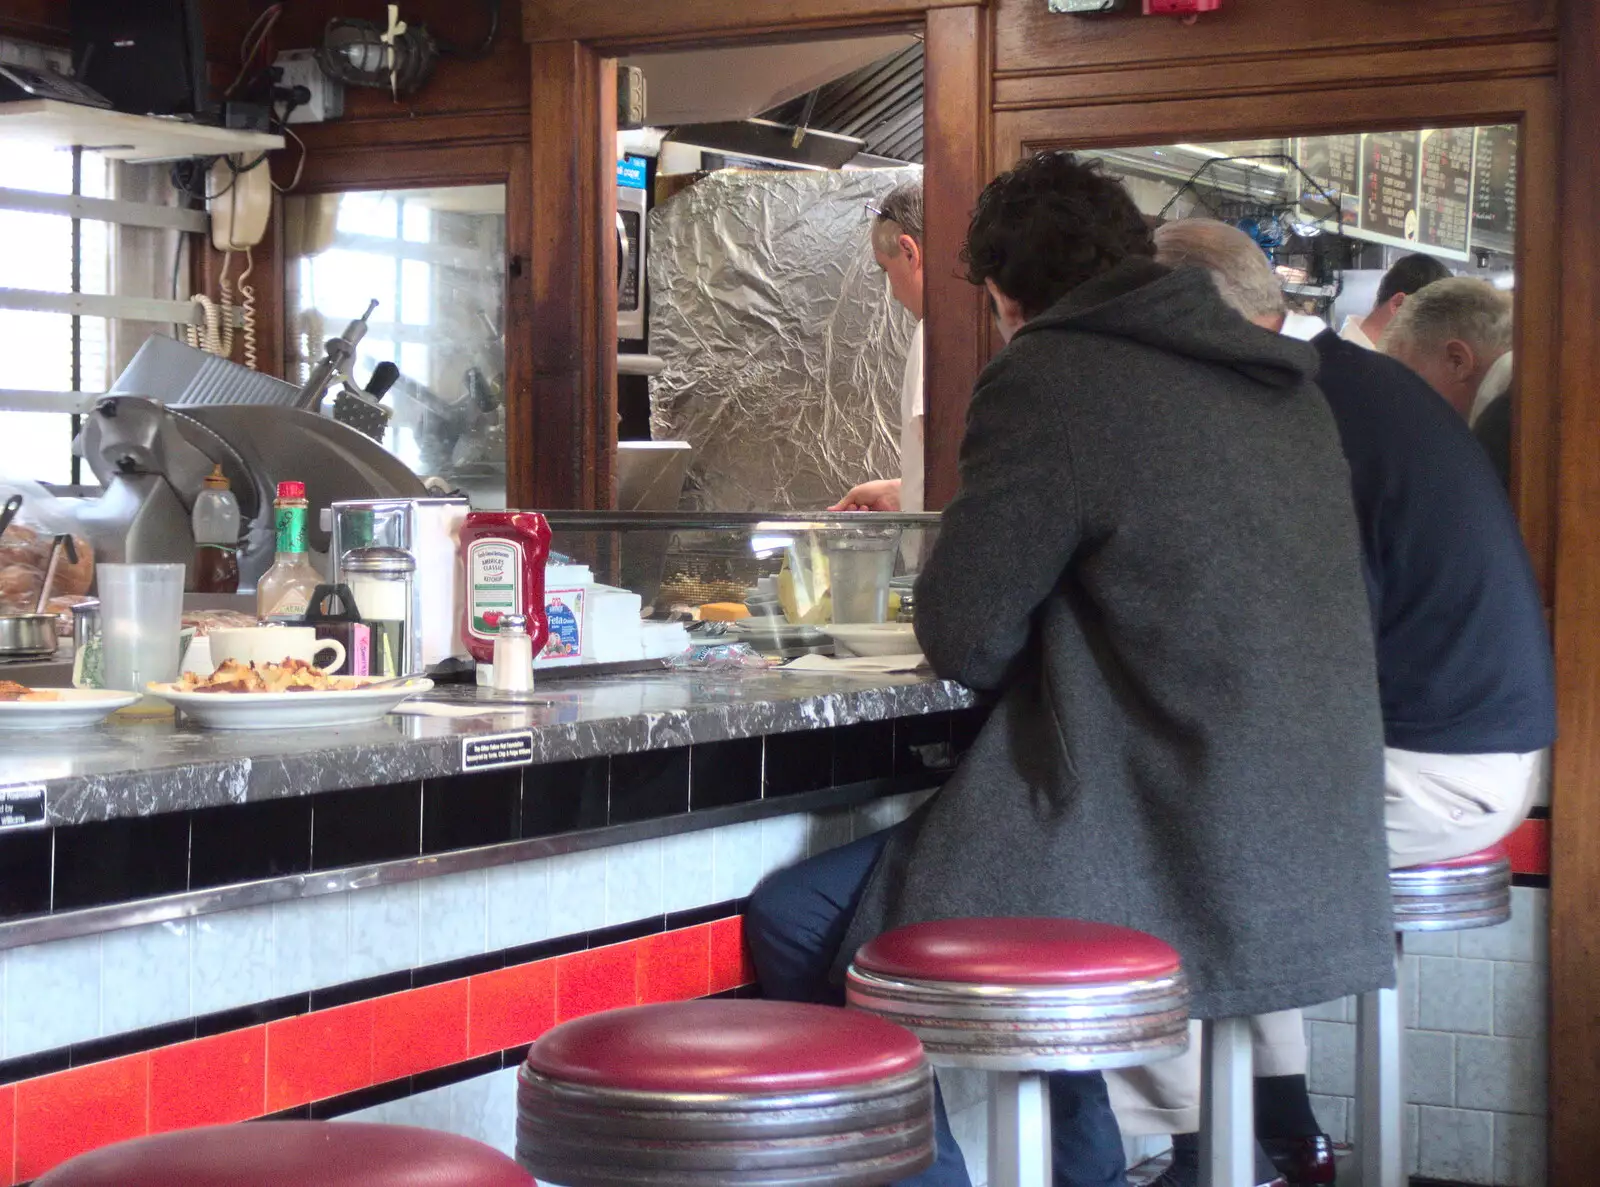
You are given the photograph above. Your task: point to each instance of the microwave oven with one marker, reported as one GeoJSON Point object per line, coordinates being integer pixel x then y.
{"type": "Point", "coordinates": [633, 204]}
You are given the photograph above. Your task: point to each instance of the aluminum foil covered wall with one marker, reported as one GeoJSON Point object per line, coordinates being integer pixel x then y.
{"type": "Point", "coordinates": [784, 350]}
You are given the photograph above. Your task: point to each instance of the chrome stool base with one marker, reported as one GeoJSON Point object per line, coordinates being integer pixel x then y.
{"type": "Point", "coordinates": [1227, 1104]}
{"type": "Point", "coordinates": [1458, 895]}
{"type": "Point", "coordinates": [1024, 998]}
{"type": "Point", "coordinates": [861, 1136]}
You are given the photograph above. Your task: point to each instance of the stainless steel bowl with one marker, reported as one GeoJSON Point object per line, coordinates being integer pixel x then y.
{"type": "Point", "coordinates": [27, 635]}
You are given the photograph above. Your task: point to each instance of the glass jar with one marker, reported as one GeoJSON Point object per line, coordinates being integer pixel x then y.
{"type": "Point", "coordinates": [380, 580]}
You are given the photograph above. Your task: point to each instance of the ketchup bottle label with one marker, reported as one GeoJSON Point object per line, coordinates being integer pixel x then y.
{"type": "Point", "coordinates": [494, 584]}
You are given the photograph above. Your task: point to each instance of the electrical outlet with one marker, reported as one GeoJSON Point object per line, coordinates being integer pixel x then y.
{"type": "Point", "coordinates": [1085, 6]}
{"type": "Point", "coordinates": [300, 69]}
{"type": "Point", "coordinates": [631, 97]}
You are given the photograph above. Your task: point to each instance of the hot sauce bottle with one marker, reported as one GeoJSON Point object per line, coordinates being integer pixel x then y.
{"type": "Point", "coordinates": [504, 554]}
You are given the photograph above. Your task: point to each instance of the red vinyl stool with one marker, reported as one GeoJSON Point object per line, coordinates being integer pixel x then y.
{"type": "Point", "coordinates": [726, 1094]}
{"type": "Point", "coordinates": [1456, 895]}
{"type": "Point", "coordinates": [1022, 997]}
{"type": "Point", "coordinates": [293, 1154]}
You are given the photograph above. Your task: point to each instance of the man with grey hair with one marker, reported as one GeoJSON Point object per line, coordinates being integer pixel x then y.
{"type": "Point", "coordinates": [897, 247]}
{"type": "Point", "coordinates": [1456, 334]}
{"type": "Point", "coordinates": [1464, 663]}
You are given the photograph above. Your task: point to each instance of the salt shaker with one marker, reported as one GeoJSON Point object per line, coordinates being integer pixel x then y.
{"type": "Point", "coordinates": [513, 655]}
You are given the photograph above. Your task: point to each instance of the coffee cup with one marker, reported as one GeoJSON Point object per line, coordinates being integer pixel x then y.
{"type": "Point", "coordinates": [274, 644]}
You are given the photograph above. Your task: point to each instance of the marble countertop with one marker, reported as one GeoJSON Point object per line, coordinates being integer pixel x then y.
{"type": "Point", "coordinates": [138, 769]}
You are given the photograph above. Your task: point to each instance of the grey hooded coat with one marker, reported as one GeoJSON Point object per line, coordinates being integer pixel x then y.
{"type": "Point", "coordinates": [1153, 562]}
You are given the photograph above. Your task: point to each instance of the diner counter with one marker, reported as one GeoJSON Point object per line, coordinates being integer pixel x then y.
{"type": "Point", "coordinates": [130, 769]}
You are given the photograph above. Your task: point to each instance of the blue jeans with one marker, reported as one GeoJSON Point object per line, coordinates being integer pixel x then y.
{"type": "Point", "coordinates": [795, 925]}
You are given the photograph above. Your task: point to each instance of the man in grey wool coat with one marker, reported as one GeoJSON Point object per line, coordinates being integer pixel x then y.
{"type": "Point", "coordinates": [1152, 566]}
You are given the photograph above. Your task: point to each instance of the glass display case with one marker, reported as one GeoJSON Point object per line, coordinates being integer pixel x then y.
{"type": "Point", "coordinates": [780, 582]}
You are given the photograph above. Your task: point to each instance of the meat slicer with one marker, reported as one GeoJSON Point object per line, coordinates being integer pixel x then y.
{"type": "Point", "coordinates": [173, 414]}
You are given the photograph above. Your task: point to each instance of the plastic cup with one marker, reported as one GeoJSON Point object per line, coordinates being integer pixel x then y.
{"type": "Point", "coordinates": [141, 626]}
{"type": "Point", "coordinates": [860, 564]}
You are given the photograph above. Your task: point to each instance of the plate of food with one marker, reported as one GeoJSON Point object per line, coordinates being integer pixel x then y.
{"type": "Point", "coordinates": [289, 695]}
{"type": "Point", "coordinates": [24, 708]}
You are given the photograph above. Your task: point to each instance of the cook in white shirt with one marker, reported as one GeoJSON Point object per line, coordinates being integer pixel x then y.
{"type": "Point", "coordinates": [1411, 274]}
{"type": "Point", "coordinates": [897, 246]}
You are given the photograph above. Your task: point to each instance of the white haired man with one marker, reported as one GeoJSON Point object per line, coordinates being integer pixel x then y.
{"type": "Point", "coordinates": [897, 246]}
{"type": "Point", "coordinates": [1465, 671]}
{"type": "Point", "coordinates": [1456, 334]}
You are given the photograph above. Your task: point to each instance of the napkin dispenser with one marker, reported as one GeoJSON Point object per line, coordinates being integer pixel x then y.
{"type": "Point", "coordinates": [430, 530]}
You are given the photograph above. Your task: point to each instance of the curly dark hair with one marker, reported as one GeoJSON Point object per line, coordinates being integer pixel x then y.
{"type": "Point", "coordinates": [1050, 224]}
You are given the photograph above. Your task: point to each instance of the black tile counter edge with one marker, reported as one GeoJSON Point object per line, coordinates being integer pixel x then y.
{"type": "Point", "coordinates": [37, 929]}
{"type": "Point", "coordinates": [188, 778]}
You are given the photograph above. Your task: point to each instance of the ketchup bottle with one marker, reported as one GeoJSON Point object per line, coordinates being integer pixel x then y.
{"type": "Point", "coordinates": [504, 554]}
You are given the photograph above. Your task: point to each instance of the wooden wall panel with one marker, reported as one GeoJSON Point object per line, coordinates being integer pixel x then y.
{"type": "Point", "coordinates": [561, 440]}
{"type": "Point", "coordinates": [1028, 37]}
{"type": "Point", "coordinates": [641, 23]}
{"type": "Point", "coordinates": [1575, 872]}
{"type": "Point", "coordinates": [956, 168]}
{"type": "Point", "coordinates": [1290, 76]}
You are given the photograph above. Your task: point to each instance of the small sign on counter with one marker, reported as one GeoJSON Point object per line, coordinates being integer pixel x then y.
{"type": "Point", "coordinates": [514, 749]}
{"type": "Point", "coordinates": [22, 806]}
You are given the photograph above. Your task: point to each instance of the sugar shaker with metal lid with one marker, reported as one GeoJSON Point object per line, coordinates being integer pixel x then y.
{"type": "Point", "coordinates": [380, 580]}
{"type": "Point", "coordinates": [513, 654]}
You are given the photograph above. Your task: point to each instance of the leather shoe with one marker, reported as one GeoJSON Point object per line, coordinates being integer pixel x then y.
{"type": "Point", "coordinates": [1303, 1162]}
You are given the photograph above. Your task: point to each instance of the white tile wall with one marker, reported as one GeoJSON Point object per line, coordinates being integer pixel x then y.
{"type": "Point", "coordinates": [736, 861]}
{"type": "Point", "coordinates": [385, 936]}
{"type": "Point", "coordinates": [1475, 1050]}
{"type": "Point", "coordinates": [687, 863]}
{"type": "Point", "coordinates": [144, 971]}
{"type": "Point", "coordinates": [1519, 1150]}
{"type": "Point", "coordinates": [1333, 1058]}
{"type": "Point", "coordinates": [232, 961]}
{"type": "Point", "coordinates": [577, 892]}
{"type": "Point", "coordinates": [52, 995]}
{"type": "Point", "coordinates": [1456, 1144]}
{"type": "Point", "coordinates": [311, 944]}
{"type": "Point", "coordinates": [74, 990]}
{"type": "Point", "coordinates": [519, 904]}
{"type": "Point", "coordinates": [457, 919]}
{"type": "Point", "coordinates": [1333, 1112]}
{"type": "Point", "coordinates": [633, 882]}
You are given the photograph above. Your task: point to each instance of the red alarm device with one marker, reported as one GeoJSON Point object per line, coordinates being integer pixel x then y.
{"type": "Point", "coordinates": [1179, 7]}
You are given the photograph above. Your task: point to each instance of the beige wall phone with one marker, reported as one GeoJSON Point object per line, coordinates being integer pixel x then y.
{"type": "Point", "coordinates": [239, 203]}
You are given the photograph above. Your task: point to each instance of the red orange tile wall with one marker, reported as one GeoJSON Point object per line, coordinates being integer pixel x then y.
{"type": "Point", "coordinates": [295, 1061]}
{"type": "Point", "coordinates": [1530, 847]}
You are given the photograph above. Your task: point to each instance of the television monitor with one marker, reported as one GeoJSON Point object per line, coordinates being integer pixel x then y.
{"type": "Point", "coordinates": [146, 56]}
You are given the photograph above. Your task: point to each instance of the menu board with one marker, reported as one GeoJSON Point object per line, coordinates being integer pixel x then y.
{"type": "Point", "coordinates": [1494, 190]}
{"type": "Point", "coordinates": [1389, 193]}
{"type": "Point", "coordinates": [1334, 163]}
{"type": "Point", "coordinates": [1445, 188]}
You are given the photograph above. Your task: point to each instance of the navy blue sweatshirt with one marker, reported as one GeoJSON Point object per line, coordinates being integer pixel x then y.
{"type": "Point", "coordinates": [1464, 658]}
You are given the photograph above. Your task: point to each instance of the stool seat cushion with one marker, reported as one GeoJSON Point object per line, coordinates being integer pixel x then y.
{"type": "Point", "coordinates": [726, 1046]}
{"type": "Point", "coordinates": [293, 1154]}
{"type": "Point", "coordinates": [1482, 857]}
{"type": "Point", "coordinates": [1027, 952]}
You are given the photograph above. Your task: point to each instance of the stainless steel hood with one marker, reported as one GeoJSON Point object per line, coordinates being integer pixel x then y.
{"type": "Point", "coordinates": [720, 85]}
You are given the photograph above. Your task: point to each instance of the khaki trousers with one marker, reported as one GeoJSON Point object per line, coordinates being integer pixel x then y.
{"type": "Point", "coordinates": [1436, 806]}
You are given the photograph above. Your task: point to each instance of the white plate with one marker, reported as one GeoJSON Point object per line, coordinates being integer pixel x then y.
{"type": "Point", "coordinates": [875, 638]}
{"type": "Point", "coordinates": [77, 708]}
{"type": "Point", "coordinates": [288, 710]}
